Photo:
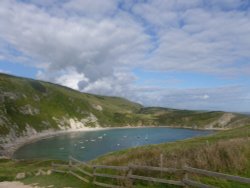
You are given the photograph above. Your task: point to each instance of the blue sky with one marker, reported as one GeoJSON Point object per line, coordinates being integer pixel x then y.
{"type": "Point", "coordinates": [181, 54]}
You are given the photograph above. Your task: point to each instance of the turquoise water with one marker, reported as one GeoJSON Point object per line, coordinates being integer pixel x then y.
{"type": "Point", "coordinates": [91, 144]}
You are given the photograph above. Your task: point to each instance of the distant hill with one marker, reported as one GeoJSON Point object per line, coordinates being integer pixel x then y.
{"type": "Point", "coordinates": [28, 107]}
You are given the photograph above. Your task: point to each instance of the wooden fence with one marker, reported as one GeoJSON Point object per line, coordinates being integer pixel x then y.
{"type": "Point", "coordinates": [128, 174]}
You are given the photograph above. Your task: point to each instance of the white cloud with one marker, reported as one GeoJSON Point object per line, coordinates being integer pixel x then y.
{"type": "Point", "coordinates": [192, 37]}
{"type": "Point", "coordinates": [93, 48]}
{"type": "Point", "coordinates": [94, 8]}
{"type": "Point", "coordinates": [93, 45]}
{"type": "Point", "coordinates": [68, 77]}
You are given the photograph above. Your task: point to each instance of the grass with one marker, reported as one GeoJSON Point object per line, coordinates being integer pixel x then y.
{"type": "Point", "coordinates": [9, 169]}
{"type": "Point", "coordinates": [58, 180]}
{"type": "Point", "coordinates": [53, 100]}
{"type": "Point", "coordinates": [226, 152]}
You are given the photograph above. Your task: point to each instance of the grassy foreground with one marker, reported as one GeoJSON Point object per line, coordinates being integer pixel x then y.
{"type": "Point", "coordinates": [9, 169]}
{"type": "Point", "coordinates": [226, 152]}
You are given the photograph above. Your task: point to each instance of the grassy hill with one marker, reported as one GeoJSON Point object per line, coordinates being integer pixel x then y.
{"type": "Point", "coordinates": [226, 152]}
{"type": "Point", "coordinates": [28, 107]}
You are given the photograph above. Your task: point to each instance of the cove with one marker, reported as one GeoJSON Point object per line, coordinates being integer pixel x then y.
{"type": "Point", "coordinates": [88, 145]}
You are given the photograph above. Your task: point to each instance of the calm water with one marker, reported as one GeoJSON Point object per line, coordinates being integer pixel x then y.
{"type": "Point", "coordinates": [89, 145]}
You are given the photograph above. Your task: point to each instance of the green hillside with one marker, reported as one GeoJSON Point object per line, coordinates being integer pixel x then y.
{"type": "Point", "coordinates": [39, 104]}
{"type": "Point", "coordinates": [30, 106]}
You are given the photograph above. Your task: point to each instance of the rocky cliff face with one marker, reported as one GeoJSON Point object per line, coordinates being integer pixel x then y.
{"type": "Point", "coordinates": [14, 139]}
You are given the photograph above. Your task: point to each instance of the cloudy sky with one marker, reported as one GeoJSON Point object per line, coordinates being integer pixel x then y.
{"type": "Point", "coordinates": [188, 54]}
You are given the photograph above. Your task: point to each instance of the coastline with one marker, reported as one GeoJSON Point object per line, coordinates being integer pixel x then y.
{"type": "Point", "coordinates": [10, 148]}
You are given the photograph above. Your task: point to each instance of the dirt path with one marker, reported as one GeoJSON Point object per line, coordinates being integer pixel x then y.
{"type": "Point", "coordinates": [13, 184]}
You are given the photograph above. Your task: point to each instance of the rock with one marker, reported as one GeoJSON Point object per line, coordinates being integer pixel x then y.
{"type": "Point", "coordinates": [49, 172]}
{"type": "Point", "coordinates": [28, 110]}
{"type": "Point", "coordinates": [97, 107]}
{"type": "Point", "coordinates": [21, 175]}
{"type": "Point", "coordinates": [10, 95]}
{"type": "Point", "coordinates": [41, 173]}
{"type": "Point", "coordinates": [50, 186]}
{"type": "Point", "coordinates": [29, 131]}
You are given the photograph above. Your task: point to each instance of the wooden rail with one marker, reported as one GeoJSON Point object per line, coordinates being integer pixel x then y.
{"type": "Point", "coordinates": [156, 180]}
{"type": "Point", "coordinates": [119, 177]}
{"type": "Point", "coordinates": [217, 175]}
{"type": "Point", "coordinates": [110, 176]}
{"type": "Point", "coordinates": [188, 182]}
{"type": "Point", "coordinates": [82, 171]}
{"type": "Point", "coordinates": [72, 168]}
{"type": "Point", "coordinates": [79, 162]}
{"type": "Point", "coordinates": [111, 167]}
{"type": "Point", "coordinates": [79, 177]}
{"type": "Point", "coordinates": [128, 177]}
{"type": "Point", "coordinates": [170, 170]}
{"type": "Point", "coordinates": [152, 179]}
{"type": "Point", "coordinates": [107, 185]}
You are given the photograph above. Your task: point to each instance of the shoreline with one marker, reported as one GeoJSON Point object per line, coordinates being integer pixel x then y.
{"type": "Point", "coordinates": [10, 148]}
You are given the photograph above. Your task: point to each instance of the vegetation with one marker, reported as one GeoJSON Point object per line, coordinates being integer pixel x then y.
{"type": "Point", "coordinates": [9, 169]}
{"type": "Point", "coordinates": [226, 152]}
{"type": "Point", "coordinates": [39, 105]}
{"type": "Point", "coordinates": [42, 105]}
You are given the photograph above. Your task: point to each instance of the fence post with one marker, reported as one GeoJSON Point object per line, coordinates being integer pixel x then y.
{"type": "Point", "coordinates": [161, 162]}
{"type": "Point", "coordinates": [52, 165]}
{"type": "Point", "coordinates": [185, 176]}
{"type": "Point", "coordinates": [70, 164]}
{"type": "Point", "coordinates": [94, 176]}
{"type": "Point", "coordinates": [130, 172]}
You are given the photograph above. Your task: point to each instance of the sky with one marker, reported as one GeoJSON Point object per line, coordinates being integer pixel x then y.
{"type": "Point", "coordinates": [184, 54]}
